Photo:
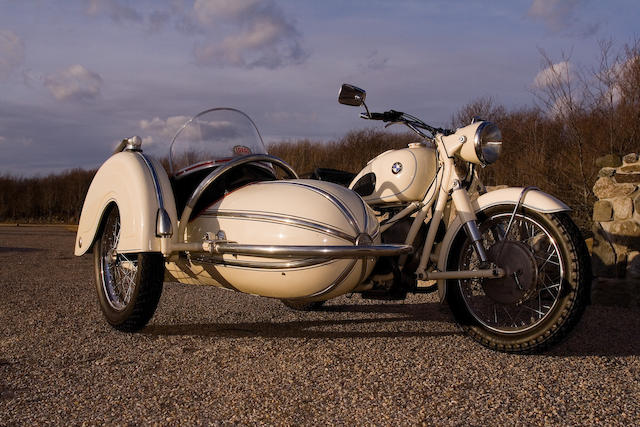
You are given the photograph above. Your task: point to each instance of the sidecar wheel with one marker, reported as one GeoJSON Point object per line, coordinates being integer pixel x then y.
{"type": "Point", "coordinates": [302, 305]}
{"type": "Point", "coordinates": [129, 285]}
{"type": "Point", "coordinates": [546, 288]}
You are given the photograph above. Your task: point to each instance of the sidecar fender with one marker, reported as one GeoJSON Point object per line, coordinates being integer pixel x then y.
{"type": "Point", "coordinates": [131, 181]}
{"type": "Point", "coordinates": [532, 199]}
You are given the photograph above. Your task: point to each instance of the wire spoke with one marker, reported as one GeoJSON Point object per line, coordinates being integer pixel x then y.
{"type": "Point", "coordinates": [538, 295]}
{"type": "Point", "coordinates": [118, 270]}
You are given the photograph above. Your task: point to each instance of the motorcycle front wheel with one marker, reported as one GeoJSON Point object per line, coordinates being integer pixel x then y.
{"type": "Point", "coordinates": [129, 285]}
{"type": "Point", "coordinates": [545, 288]}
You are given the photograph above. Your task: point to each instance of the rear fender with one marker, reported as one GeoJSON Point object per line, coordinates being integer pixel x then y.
{"type": "Point", "coordinates": [532, 199]}
{"type": "Point", "coordinates": [128, 180]}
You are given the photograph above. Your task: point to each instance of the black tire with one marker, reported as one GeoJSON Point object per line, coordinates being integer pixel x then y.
{"type": "Point", "coordinates": [302, 305]}
{"type": "Point", "coordinates": [539, 306]}
{"type": "Point", "coordinates": [129, 285]}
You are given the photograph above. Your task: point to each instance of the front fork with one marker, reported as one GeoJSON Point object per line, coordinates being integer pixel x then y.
{"type": "Point", "coordinates": [465, 210]}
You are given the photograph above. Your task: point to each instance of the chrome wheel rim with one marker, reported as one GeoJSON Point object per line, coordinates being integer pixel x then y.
{"type": "Point", "coordinates": [118, 271]}
{"type": "Point", "coordinates": [539, 301]}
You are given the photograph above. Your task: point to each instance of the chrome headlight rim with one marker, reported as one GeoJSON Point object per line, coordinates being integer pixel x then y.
{"type": "Point", "coordinates": [480, 145]}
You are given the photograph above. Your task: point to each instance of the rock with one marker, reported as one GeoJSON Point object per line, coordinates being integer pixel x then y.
{"type": "Point", "coordinates": [623, 233]}
{"type": "Point", "coordinates": [606, 188]}
{"type": "Point", "coordinates": [630, 168]}
{"type": "Point", "coordinates": [602, 211]}
{"type": "Point", "coordinates": [607, 172]}
{"type": "Point", "coordinates": [610, 160]}
{"type": "Point", "coordinates": [589, 243]}
{"type": "Point", "coordinates": [622, 208]}
{"type": "Point", "coordinates": [603, 256]}
{"type": "Point", "coordinates": [630, 158]}
{"type": "Point", "coordinates": [627, 177]}
{"type": "Point", "coordinates": [633, 265]}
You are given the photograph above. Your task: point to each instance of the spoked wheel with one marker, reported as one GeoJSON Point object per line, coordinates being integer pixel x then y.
{"type": "Point", "coordinates": [545, 288]}
{"type": "Point", "coordinates": [129, 285]}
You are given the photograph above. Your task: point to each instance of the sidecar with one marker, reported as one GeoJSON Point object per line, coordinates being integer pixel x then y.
{"type": "Point", "coordinates": [225, 214]}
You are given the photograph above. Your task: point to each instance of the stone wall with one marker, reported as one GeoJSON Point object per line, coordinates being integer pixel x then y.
{"type": "Point", "coordinates": [616, 229]}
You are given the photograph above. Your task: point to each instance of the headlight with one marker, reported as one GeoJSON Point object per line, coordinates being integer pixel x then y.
{"type": "Point", "coordinates": [488, 142]}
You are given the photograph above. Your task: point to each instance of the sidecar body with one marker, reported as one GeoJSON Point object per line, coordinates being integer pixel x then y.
{"type": "Point", "coordinates": [222, 215]}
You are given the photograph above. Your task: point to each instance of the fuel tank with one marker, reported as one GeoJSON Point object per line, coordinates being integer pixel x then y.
{"type": "Point", "coordinates": [283, 212]}
{"type": "Point", "coordinates": [397, 175]}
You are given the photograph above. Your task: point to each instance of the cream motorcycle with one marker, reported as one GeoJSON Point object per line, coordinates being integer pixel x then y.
{"type": "Point", "coordinates": [511, 263]}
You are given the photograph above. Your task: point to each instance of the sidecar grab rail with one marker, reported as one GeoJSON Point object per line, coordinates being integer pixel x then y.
{"type": "Point", "coordinates": [214, 175]}
{"type": "Point", "coordinates": [328, 252]}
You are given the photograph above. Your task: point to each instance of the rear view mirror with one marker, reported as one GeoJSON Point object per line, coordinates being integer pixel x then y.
{"type": "Point", "coordinates": [351, 95]}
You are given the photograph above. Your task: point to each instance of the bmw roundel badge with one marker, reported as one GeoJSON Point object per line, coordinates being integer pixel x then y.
{"type": "Point", "coordinates": [396, 168]}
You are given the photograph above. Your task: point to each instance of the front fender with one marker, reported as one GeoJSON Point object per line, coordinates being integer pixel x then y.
{"type": "Point", "coordinates": [128, 181]}
{"type": "Point", "coordinates": [533, 199]}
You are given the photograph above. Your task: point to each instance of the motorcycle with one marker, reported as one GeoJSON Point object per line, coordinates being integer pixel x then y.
{"type": "Point", "coordinates": [510, 263]}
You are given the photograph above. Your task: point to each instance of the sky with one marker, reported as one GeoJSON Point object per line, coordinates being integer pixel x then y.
{"type": "Point", "coordinates": [77, 76]}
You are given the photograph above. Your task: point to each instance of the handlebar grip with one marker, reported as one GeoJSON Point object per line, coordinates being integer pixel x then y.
{"type": "Point", "coordinates": [387, 116]}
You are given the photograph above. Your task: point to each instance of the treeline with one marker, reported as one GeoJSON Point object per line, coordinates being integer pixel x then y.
{"type": "Point", "coordinates": [578, 116]}
{"type": "Point", "coordinates": [49, 199]}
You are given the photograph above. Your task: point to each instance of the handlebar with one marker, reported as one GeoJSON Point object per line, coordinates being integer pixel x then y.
{"type": "Point", "coordinates": [412, 122]}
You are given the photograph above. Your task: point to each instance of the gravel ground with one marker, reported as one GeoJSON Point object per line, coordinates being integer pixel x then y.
{"type": "Point", "coordinates": [212, 356]}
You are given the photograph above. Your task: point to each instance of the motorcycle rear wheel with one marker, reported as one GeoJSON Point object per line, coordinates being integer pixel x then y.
{"type": "Point", "coordinates": [545, 289]}
{"type": "Point", "coordinates": [129, 285]}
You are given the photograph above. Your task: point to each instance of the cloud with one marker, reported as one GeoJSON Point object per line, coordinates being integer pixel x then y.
{"type": "Point", "coordinates": [74, 83]}
{"type": "Point", "coordinates": [116, 10]}
{"type": "Point", "coordinates": [2, 139]}
{"type": "Point", "coordinates": [237, 33]}
{"type": "Point", "coordinates": [562, 72]}
{"type": "Point", "coordinates": [260, 34]}
{"type": "Point", "coordinates": [197, 131]}
{"type": "Point", "coordinates": [560, 16]}
{"type": "Point", "coordinates": [11, 52]}
{"type": "Point", "coordinates": [617, 77]}
{"type": "Point", "coordinates": [164, 128]}
{"type": "Point", "coordinates": [374, 61]}
{"type": "Point", "coordinates": [158, 20]}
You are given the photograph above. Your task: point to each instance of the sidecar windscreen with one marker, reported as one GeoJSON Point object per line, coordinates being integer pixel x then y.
{"type": "Point", "coordinates": [211, 138]}
{"type": "Point", "coordinates": [205, 142]}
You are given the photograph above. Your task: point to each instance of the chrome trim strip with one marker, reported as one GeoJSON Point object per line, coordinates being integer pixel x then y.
{"type": "Point", "coordinates": [215, 174]}
{"type": "Point", "coordinates": [365, 215]}
{"type": "Point", "coordinates": [282, 219]}
{"type": "Point", "coordinates": [163, 221]}
{"type": "Point", "coordinates": [273, 251]}
{"type": "Point", "coordinates": [278, 265]}
{"type": "Point", "coordinates": [154, 176]}
{"type": "Point", "coordinates": [336, 282]}
{"type": "Point", "coordinates": [333, 199]}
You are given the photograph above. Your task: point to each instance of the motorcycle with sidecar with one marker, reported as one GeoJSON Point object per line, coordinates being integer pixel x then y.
{"type": "Point", "coordinates": [510, 263]}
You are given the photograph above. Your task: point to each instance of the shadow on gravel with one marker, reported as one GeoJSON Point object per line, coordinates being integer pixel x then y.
{"type": "Point", "coordinates": [319, 328]}
{"type": "Point", "coordinates": [603, 331]}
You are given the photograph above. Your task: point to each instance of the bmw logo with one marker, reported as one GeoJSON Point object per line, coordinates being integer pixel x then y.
{"type": "Point", "coordinates": [396, 168]}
